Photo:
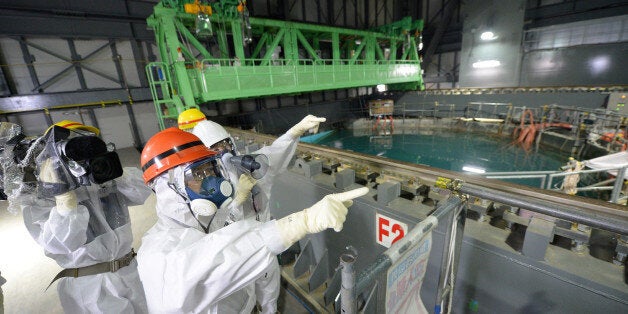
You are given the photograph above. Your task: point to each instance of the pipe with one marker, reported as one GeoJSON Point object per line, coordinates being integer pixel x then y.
{"type": "Point", "coordinates": [348, 302]}
{"type": "Point", "coordinates": [595, 219]}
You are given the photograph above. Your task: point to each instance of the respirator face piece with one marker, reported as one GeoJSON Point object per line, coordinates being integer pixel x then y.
{"type": "Point", "coordinates": [204, 180]}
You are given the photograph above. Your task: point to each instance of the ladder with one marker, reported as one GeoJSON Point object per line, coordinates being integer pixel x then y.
{"type": "Point", "coordinates": [168, 105]}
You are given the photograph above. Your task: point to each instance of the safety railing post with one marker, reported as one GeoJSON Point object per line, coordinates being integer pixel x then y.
{"type": "Point", "coordinates": [348, 302]}
{"type": "Point", "coordinates": [619, 183]}
{"type": "Point", "coordinates": [449, 263]}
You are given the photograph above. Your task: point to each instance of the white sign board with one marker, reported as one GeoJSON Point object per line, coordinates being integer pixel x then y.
{"type": "Point", "coordinates": [388, 230]}
{"type": "Point", "coordinates": [405, 277]}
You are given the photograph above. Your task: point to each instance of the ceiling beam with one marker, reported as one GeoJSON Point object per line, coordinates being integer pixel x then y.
{"type": "Point", "coordinates": [76, 19]}
{"type": "Point", "coordinates": [36, 102]}
{"type": "Point", "coordinates": [573, 11]}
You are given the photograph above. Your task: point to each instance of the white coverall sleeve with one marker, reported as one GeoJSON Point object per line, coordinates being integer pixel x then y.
{"type": "Point", "coordinates": [57, 233]}
{"type": "Point", "coordinates": [185, 270]}
{"type": "Point", "coordinates": [132, 186]}
{"type": "Point", "coordinates": [279, 154]}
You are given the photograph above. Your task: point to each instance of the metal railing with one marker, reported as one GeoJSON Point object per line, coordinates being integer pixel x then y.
{"type": "Point", "coordinates": [546, 179]}
{"type": "Point", "coordinates": [426, 110]}
{"type": "Point", "coordinates": [290, 63]}
{"type": "Point", "coordinates": [488, 110]}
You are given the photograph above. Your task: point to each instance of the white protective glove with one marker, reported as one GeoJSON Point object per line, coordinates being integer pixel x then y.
{"type": "Point", "coordinates": [308, 123]}
{"type": "Point", "coordinates": [243, 190]}
{"type": "Point", "coordinates": [66, 202]}
{"type": "Point", "coordinates": [330, 212]}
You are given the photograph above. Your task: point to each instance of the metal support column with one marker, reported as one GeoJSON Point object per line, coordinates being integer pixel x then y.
{"type": "Point", "coordinates": [619, 183]}
{"type": "Point", "coordinates": [447, 12]}
{"type": "Point", "coordinates": [116, 60]}
{"type": "Point", "coordinates": [140, 61]}
{"type": "Point", "coordinates": [135, 131]}
{"type": "Point", "coordinates": [92, 116]}
{"type": "Point", "coordinates": [29, 60]}
{"type": "Point", "coordinates": [7, 86]}
{"type": "Point", "coordinates": [347, 287]}
{"type": "Point", "coordinates": [76, 62]}
{"type": "Point", "coordinates": [47, 117]}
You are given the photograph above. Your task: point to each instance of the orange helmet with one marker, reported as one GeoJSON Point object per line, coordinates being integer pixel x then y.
{"type": "Point", "coordinates": [189, 118]}
{"type": "Point", "coordinates": [170, 148]}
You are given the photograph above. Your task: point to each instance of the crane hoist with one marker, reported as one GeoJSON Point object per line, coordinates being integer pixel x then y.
{"type": "Point", "coordinates": [213, 50]}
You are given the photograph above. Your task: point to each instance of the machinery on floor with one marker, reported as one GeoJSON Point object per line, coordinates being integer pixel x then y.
{"type": "Point", "coordinates": [503, 258]}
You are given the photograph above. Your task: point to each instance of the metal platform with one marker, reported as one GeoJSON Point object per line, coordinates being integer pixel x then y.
{"type": "Point", "coordinates": [286, 57]}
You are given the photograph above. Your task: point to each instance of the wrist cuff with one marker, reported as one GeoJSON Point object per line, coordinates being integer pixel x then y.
{"type": "Point", "coordinates": [292, 228]}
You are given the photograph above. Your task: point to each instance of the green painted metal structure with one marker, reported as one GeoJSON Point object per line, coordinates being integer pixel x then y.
{"type": "Point", "coordinates": [227, 55]}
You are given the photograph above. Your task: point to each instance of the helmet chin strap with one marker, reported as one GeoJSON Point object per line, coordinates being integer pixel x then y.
{"type": "Point", "coordinates": [172, 185]}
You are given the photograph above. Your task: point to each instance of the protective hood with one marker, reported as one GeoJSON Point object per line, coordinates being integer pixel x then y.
{"type": "Point", "coordinates": [210, 132]}
{"type": "Point", "coordinates": [172, 208]}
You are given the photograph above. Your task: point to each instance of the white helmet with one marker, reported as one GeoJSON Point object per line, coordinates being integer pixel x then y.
{"type": "Point", "coordinates": [210, 132]}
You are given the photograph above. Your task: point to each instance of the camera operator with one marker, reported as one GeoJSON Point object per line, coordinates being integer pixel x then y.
{"type": "Point", "coordinates": [79, 215]}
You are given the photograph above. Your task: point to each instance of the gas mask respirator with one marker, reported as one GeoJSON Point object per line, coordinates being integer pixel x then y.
{"type": "Point", "coordinates": [204, 181]}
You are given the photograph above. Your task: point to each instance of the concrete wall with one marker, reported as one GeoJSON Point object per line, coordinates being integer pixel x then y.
{"type": "Point", "coordinates": [603, 64]}
{"type": "Point", "coordinates": [48, 66]}
{"type": "Point", "coordinates": [505, 19]}
{"type": "Point", "coordinates": [114, 122]}
{"type": "Point", "coordinates": [587, 53]}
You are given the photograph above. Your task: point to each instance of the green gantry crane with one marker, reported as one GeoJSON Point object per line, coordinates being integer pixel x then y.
{"type": "Point", "coordinates": [214, 51]}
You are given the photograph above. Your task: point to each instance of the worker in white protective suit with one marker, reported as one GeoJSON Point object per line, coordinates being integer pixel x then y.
{"type": "Point", "coordinates": [2, 281]}
{"type": "Point", "coordinates": [279, 154]}
{"type": "Point", "coordinates": [80, 217]}
{"type": "Point", "coordinates": [184, 267]}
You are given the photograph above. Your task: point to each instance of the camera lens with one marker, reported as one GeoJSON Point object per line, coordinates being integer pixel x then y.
{"type": "Point", "coordinates": [83, 147]}
{"type": "Point", "coordinates": [105, 167]}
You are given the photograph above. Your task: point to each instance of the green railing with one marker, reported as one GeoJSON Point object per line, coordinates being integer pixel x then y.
{"type": "Point", "coordinates": [218, 79]}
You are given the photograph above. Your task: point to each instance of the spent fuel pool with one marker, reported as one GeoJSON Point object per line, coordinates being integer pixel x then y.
{"type": "Point", "coordinates": [456, 151]}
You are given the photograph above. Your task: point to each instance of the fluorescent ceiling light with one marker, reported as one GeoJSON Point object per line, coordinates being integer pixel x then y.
{"type": "Point", "coordinates": [473, 169]}
{"type": "Point", "coordinates": [488, 36]}
{"type": "Point", "coordinates": [381, 88]}
{"type": "Point", "coordinates": [486, 64]}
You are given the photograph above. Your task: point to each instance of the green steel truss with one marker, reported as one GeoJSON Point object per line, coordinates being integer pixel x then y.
{"type": "Point", "coordinates": [283, 57]}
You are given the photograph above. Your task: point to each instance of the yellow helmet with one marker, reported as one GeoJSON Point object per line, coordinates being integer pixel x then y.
{"type": "Point", "coordinates": [189, 118]}
{"type": "Point", "coordinates": [73, 125]}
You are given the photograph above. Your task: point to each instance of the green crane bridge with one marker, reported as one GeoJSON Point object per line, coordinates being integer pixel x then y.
{"type": "Point", "coordinates": [216, 52]}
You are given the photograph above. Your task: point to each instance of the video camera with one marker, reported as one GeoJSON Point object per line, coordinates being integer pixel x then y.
{"type": "Point", "coordinates": [74, 158]}
{"type": "Point", "coordinates": [87, 157]}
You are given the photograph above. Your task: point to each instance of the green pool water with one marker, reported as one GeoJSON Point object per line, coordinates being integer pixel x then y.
{"type": "Point", "coordinates": [447, 150]}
